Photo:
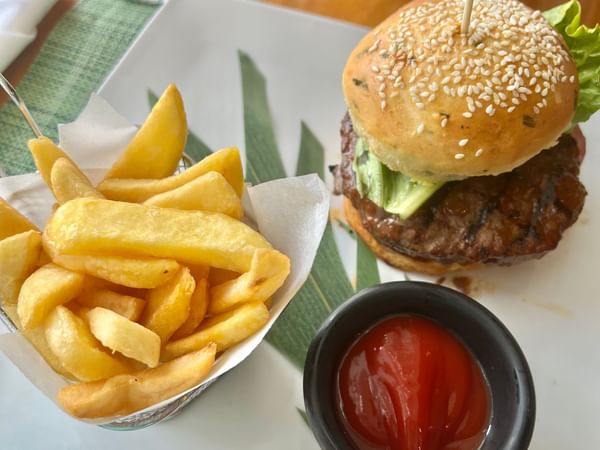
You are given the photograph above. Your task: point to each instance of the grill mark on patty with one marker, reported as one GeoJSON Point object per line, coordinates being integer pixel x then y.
{"type": "Point", "coordinates": [540, 205]}
{"type": "Point", "coordinates": [474, 228]}
{"type": "Point", "coordinates": [504, 219]}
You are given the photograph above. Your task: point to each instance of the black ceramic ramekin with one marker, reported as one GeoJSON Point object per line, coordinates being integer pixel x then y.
{"type": "Point", "coordinates": [503, 363]}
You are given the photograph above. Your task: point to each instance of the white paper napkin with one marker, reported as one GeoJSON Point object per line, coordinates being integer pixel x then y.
{"type": "Point", "coordinates": [18, 23]}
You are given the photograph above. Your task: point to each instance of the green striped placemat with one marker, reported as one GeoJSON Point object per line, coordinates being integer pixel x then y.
{"type": "Point", "coordinates": [78, 55]}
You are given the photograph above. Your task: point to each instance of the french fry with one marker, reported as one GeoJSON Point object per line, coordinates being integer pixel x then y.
{"type": "Point", "coordinates": [126, 394]}
{"type": "Point", "coordinates": [225, 330]}
{"type": "Point", "coordinates": [225, 161]}
{"type": "Point", "coordinates": [68, 182]}
{"type": "Point", "coordinates": [139, 273]}
{"type": "Point", "coordinates": [37, 338]}
{"type": "Point", "coordinates": [268, 271]}
{"type": "Point", "coordinates": [18, 257]}
{"type": "Point", "coordinates": [158, 145]}
{"type": "Point", "coordinates": [198, 307]}
{"type": "Point", "coordinates": [210, 192]}
{"type": "Point", "coordinates": [124, 305]}
{"type": "Point", "coordinates": [12, 221]}
{"type": "Point", "coordinates": [124, 336]}
{"type": "Point", "coordinates": [44, 290]}
{"type": "Point", "coordinates": [45, 153]}
{"type": "Point", "coordinates": [76, 348]}
{"type": "Point", "coordinates": [168, 306]}
{"type": "Point", "coordinates": [96, 226]}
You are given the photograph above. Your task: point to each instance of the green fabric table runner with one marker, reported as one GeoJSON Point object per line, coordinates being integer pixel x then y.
{"type": "Point", "coordinates": [78, 55]}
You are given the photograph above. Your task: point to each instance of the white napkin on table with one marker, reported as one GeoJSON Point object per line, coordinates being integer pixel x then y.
{"type": "Point", "coordinates": [18, 23]}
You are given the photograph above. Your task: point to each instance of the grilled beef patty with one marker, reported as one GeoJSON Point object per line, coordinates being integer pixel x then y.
{"type": "Point", "coordinates": [491, 219]}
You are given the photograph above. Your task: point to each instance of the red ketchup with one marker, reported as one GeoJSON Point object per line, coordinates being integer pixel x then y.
{"type": "Point", "coordinates": [408, 384]}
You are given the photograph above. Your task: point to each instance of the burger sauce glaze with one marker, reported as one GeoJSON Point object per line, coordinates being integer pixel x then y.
{"type": "Point", "coordinates": [408, 384]}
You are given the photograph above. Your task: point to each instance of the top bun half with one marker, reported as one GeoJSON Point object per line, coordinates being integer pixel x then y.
{"type": "Point", "coordinates": [439, 106]}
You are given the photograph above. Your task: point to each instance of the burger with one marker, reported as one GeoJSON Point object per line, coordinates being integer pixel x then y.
{"type": "Point", "coordinates": [462, 148]}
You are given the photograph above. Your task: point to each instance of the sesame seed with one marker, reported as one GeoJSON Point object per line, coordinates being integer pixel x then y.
{"type": "Point", "coordinates": [463, 142]}
{"type": "Point", "coordinates": [374, 46]}
{"type": "Point", "coordinates": [459, 156]}
{"type": "Point", "coordinates": [478, 153]}
{"type": "Point", "coordinates": [507, 51]}
{"type": "Point", "coordinates": [511, 109]}
{"type": "Point", "coordinates": [467, 114]}
{"type": "Point", "coordinates": [420, 128]}
{"type": "Point", "coordinates": [490, 110]}
{"type": "Point", "coordinates": [383, 104]}
{"type": "Point", "coordinates": [444, 122]}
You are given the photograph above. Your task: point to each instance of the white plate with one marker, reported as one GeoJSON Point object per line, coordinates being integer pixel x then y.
{"type": "Point", "coordinates": [552, 306]}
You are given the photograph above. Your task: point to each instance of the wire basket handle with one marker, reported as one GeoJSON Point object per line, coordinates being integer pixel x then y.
{"type": "Point", "coordinates": [17, 100]}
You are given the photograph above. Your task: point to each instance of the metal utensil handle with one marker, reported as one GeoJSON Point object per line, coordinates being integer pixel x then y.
{"type": "Point", "coordinates": [17, 100]}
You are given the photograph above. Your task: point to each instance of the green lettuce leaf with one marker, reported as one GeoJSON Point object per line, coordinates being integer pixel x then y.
{"type": "Point", "coordinates": [584, 43]}
{"type": "Point", "coordinates": [393, 191]}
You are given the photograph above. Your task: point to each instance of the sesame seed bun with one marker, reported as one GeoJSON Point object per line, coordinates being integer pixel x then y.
{"type": "Point", "coordinates": [393, 258]}
{"type": "Point", "coordinates": [440, 106]}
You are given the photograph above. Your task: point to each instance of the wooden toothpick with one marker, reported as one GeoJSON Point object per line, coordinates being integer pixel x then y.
{"type": "Point", "coordinates": [466, 21]}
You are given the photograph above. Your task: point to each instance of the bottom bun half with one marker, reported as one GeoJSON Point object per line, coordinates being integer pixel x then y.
{"type": "Point", "coordinates": [393, 258]}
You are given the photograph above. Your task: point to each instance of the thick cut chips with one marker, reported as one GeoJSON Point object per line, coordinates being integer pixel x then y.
{"type": "Point", "coordinates": [45, 289]}
{"type": "Point", "coordinates": [267, 273]}
{"type": "Point", "coordinates": [126, 394]}
{"type": "Point", "coordinates": [124, 336]}
{"type": "Point", "coordinates": [45, 153]}
{"type": "Point", "coordinates": [210, 192]}
{"type": "Point", "coordinates": [168, 306]}
{"type": "Point", "coordinates": [68, 182]}
{"type": "Point", "coordinates": [18, 257]}
{"type": "Point", "coordinates": [37, 338]}
{"type": "Point", "coordinates": [77, 350]}
{"type": "Point", "coordinates": [158, 145]}
{"type": "Point", "coordinates": [225, 330]}
{"type": "Point", "coordinates": [225, 161]}
{"type": "Point", "coordinates": [198, 307]}
{"type": "Point", "coordinates": [12, 221]}
{"type": "Point", "coordinates": [140, 273]}
{"type": "Point", "coordinates": [124, 305]}
{"type": "Point", "coordinates": [96, 226]}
